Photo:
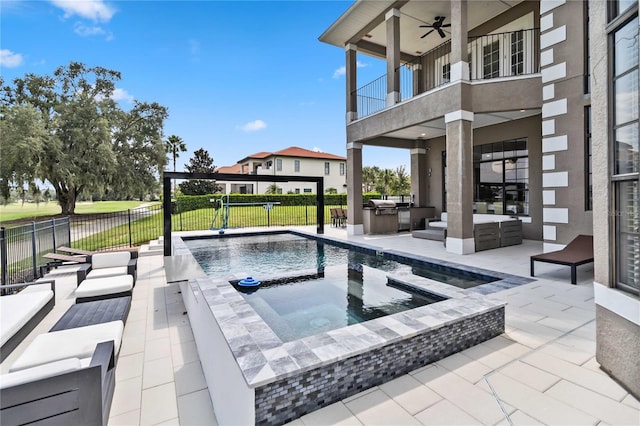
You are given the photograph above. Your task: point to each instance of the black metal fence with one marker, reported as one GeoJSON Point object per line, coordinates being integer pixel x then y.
{"type": "Point", "coordinates": [22, 248]}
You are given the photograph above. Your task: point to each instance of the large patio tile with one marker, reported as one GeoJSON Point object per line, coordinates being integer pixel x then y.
{"type": "Point", "coordinates": [595, 404]}
{"type": "Point", "coordinates": [446, 414]}
{"type": "Point", "coordinates": [536, 404]}
{"type": "Point", "coordinates": [472, 399]}
{"type": "Point", "coordinates": [157, 372]}
{"type": "Point", "coordinates": [127, 419]}
{"type": "Point", "coordinates": [576, 341]}
{"type": "Point", "coordinates": [195, 409]}
{"type": "Point", "coordinates": [465, 367]}
{"type": "Point", "coordinates": [507, 346]}
{"type": "Point", "coordinates": [158, 348]}
{"type": "Point", "coordinates": [519, 418]}
{"type": "Point", "coordinates": [189, 378]}
{"type": "Point", "coordinates": [410, 394]}
{"type": "Point", "coordinates": [129, 366]}
{"type": "Point", "coordinates": [563, 322]}
{"type": "Point", "coordinates": [631, 402]}
{"type": "Point", "coordinates": [377, 408]}
{"type": "Point", "coordinates": [184, 353]}
{"type": "Point", "coordinates": [180, 334]}
{"type": "Point", "coordinates": [576, 374]}
{"type": "Point", "coordinates": [126, 396]}
{"type": "Point", "coordinates": [334, 414]}
{"type": "Point", "coordinates": [531, 376]}
{"type": "Point", "coordinates": [566, 353]}
{"type": "Point", "coordinates": [488, 355]}
{"type": "Point", "coordinates": [159, 404]}
{"type": "Point", "coordinates": [135, 329]}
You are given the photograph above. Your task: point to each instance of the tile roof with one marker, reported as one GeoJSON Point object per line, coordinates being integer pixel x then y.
{"type": "Point", "coordinates": [229, 169]}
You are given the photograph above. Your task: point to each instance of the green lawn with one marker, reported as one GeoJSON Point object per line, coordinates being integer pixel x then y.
{"type": "Point", "coordinates": [15, 211]}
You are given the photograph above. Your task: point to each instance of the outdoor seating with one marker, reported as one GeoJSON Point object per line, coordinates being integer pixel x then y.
{"type": "Point", "coordinates": [334, 216]}
{"type": "Point", "coordinates": [94, 312]}
{"type": "Point", "coordinates": [341, 215]}
{"type": "Point", "coordinates": [89, 253]}
{"type": "Point", "coordinates": [63, 377]}
{"type": "Point", "coordinates": [21, 312]}
{"type": "Point", "coordinates": [104, 288]}
{"type": "Point", "coordinates": [108, 265]}
{"type": "Point", "coordinates": [577, 252]}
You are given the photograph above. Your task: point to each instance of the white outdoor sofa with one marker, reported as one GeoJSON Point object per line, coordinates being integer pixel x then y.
{"type": "Point", "coordinates": [21, 312]}
{"type": "Point", "coordinates": [489, 230]}
{"type": "Point", "coordinates": [63, 377]}
{"type": "Point", "coordinates": [109, 264]}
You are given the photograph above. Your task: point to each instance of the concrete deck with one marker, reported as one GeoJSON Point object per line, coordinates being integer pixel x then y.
{"type": "Point", "coordinates": [541, 371]}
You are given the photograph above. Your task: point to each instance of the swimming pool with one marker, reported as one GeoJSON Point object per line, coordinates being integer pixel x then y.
{"type": "Point", "coordinates": [254, 376]}
{"type": "Point", "coordinates": [344, 287]}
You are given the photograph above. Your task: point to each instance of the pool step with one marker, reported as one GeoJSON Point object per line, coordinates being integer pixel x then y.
{"type": "Point", "coordinates": [154, 248]}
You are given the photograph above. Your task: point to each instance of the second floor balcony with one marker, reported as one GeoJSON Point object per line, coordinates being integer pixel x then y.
{"type": "Point", "coordinates": [502, 55]}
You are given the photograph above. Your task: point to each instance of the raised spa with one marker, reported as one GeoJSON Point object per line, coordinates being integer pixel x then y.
{"type": "Point", "coordinates": [327, 321]}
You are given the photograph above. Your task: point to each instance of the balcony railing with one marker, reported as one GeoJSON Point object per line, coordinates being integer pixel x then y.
{"type": "Point", "coordinates": [490, 56]}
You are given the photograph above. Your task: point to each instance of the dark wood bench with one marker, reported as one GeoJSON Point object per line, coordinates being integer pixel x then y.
{"type": "Point", "coordinates": [577, 252]}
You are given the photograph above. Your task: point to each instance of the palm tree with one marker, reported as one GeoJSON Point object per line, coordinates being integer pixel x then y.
{"type": "Point", "coordinates": [174, 145]}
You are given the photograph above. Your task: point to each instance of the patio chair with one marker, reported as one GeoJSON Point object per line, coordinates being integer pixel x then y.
{"type": "Point", "coordinates": [334, 216]}
{"type": "Point", "coordinates": [577, 252]}
{"type": "Point", "coordinates": [342, 216]}
{"type": "Point", "coordinates": [108, 265]}
{"type": "Point", "coordinates": [89, 253]}
{"type": "Point", "coordinates": [63, 377]}
{"type": "Point", "coordinates": [104, 288]}
{"type": "Point", "coordinates": [22, 312]}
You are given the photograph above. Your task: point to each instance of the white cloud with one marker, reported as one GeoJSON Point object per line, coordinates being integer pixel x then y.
{"type": "Point", "coordinates": [86, 31]}
{"type": "Point", "coordinates": [10, 59]}
{"type": "Point", "coordinates": [253, 126]}
{"type": "Point", "coordinates": [96, 10]}
{"type": "Point", "coordinates": [316, 149]}
{"type": "Point", "coordinates": [343, 70]}
{"type": "Point", "coordinates": [122, 95]}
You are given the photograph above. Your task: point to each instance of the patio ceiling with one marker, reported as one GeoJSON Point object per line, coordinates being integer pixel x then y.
{"type": "Point", "coordinates": [436, 128]}
{"type": "Point", "coordinates": [364, 22]}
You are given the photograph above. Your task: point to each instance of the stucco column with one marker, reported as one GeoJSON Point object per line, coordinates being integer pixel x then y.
{"type": "Point", "coordinates": [393, 56]}
{"type": "Point", "coordinates": [459, 41]}
{"type": "Point", "coordinates": [354, 189]}
{"type": "Point", "coordinates": [351, 53]}
{"type": "Point", "coordinates": [419, 176]}
{"type": "Point", "coordinates": [459, 181]}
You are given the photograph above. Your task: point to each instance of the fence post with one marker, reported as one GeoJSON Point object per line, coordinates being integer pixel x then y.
{"type": "Point", "coordinates": [33, 250]}
{"type": "Point", "coordinates": [3, 256]}
{"type": "Point", "coordinates": [69, 229]}
{"type": "Point", "coordinates": [129, 217]}
{"type": "Point", "coordinates": [306, 214]}
{"type": "Point", "coordinates": [53, 235]}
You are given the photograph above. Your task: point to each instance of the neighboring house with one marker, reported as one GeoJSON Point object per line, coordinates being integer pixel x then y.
{"type": "Point", "coordinates": [292, 161]}
{"type": "Point", "coordinates": [497, 104]}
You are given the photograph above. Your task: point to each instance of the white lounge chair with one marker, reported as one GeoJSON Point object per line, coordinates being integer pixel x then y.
{"type": "Point", "coordinates": [104, 288]}
{"type": "Point", "coordinates": [108, 265]}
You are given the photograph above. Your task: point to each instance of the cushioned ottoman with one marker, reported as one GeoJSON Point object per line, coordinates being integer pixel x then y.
{"type": "Point", "coordinates": [104, 288]}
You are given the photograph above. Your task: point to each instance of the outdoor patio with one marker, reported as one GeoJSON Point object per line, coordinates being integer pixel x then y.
{"type": "Point", "coordinates": [541, 371]}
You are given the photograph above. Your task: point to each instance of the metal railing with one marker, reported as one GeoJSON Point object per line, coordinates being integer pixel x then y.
{"type": "Point", "coordinates": [22, 248]}
{"type": "Point", "coordinates": [491, 56]}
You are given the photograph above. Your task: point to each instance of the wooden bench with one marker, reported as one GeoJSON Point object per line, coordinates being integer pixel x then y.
{"type": "Point", "coordinates": [577, 252]}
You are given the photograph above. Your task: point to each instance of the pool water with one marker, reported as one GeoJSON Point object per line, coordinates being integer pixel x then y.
{"type": "Point", "coordinates": [310, 286]}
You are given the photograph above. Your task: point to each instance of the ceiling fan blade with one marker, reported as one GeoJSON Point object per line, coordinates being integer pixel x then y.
{"type": "Point", "coordinates": [427, 34]}
{"type": "Point", "coordinates": [426, 26]}
{"type": "Point", "coordinates": [445, 25]}
{"type": "Point", "coordinates": [442, 34]}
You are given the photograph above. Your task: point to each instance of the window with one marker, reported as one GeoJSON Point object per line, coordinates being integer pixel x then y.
{"type": "Point", "coordinates": [342, 169]}
{"type": "Point", "coordinates": [296, 165]}
{"type": "Point", "coordinates": [588, 153]}
{"type": "Point", "coordinates": [501, 178]}
{"type": "Point", "coordinates": [446, 72]}
{"type": "Point", "coordinates": [297, 190]}
{"type": "Point", "coordinates": [307, 190]}
{"type": "Point", "coordinates": [517, 53]}
{"type": "Point", "coordinates": [491, 60]}
{"type": "Point", "coordinates": [279, 164]}
{"type": "Point", "coordinates": [269, 164]}
{"type": "Point", "coordinates": [587, 51]}
{"type": "Point", "coordinates": [327, 168]}
{"type": "Point", "coordinates": [625, 131]}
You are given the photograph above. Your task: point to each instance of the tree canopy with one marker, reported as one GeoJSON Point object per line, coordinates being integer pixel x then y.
{"type": "Point", "coordinates": [200, 163]}
{"type": "Point", "coordinates": [66, 130]}
{"type": "Point", "coordinates": [386, 181]}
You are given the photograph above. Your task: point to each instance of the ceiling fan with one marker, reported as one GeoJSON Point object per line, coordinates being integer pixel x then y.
{"type": "Point", "coordinates": [437, 26]}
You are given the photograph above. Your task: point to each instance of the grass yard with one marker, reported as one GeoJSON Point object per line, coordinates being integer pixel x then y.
{"type": "Point", "coordinates": [32, 211]}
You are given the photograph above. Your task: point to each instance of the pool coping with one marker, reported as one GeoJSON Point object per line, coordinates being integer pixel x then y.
{"type": "Point", "coordinates": [264, 358]}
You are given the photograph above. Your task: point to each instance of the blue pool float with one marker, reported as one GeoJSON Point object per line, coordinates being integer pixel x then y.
{"type": "Point", "coordinates": [248, 282]}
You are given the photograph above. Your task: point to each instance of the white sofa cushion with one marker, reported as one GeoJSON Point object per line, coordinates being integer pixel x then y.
{"type": "Point", "coordinates": [39, 372]}
{"type": "Point", "coordinates": [110, 260]}
{"type": "Point", "coordinates": [17, 309]}
{"type": "Point", "coordinates": [107, 285]}
{"type": "Point", "coordinates": [107, 272]}
{"type": "Point", "coordinates": [78, 342]}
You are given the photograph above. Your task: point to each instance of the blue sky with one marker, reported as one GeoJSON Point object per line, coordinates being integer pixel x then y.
{"type": "Point", "coordinates": [238, 77]}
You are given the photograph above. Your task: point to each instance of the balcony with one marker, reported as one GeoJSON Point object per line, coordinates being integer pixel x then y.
{"type": "Point", "coordinates": [491, 56]}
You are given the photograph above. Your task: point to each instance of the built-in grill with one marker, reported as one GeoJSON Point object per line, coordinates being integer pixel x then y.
{"type": "Point", "coordinates": [383, 207]}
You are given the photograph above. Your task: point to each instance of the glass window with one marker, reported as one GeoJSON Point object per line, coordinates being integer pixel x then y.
{"type": "Point", "coordinates": [342, 169]}
{"type": "Point", "coordinates": [517, 53]}
{"type": "Point", "coordinates": [501, 178]}
{"type": "Point", "coordinates": [327, 168]}
{"type": "Point", "coordinates": [628, 232]}
{"type": "Point", "coordinates": [307, 190]}
{"type": "Point", "coordinates": [279, 164]}
{"type": "Point", "coordinates": [491, 60]}
{"type": "Point", "coordinates": [296, 165]}
{"type": "Point", "coordinates": [588, 167]}
{"type": "Point", "coordinates": [297, 190]}
{"type": "Point", "coordinates": [446, 72]}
